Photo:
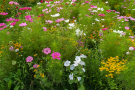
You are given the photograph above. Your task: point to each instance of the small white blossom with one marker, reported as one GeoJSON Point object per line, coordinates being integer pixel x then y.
{"type": "Point", "coordinates": [82, 63]}
{"type": "Point", "coordinates": [72, 67]}
{"type": "Point", "coordinates": [66, 20]}
{"type": "Point", "coordinates": [127, 52]}
{"type": "Point", "coordinates": [67, 63]}
{"type": "Point", "coordinates": [16, 50]}
{"type": "Point", "coordinates": [56, 15]}
{"type": "Point", "coordinates": [83, 56]}
{"type": "Point", "coordinates": [38, 3]}
{"type": "Point", "coordinates": [83, 69]}
{"type": "Point", "coordinates": [78, 58]}
{"type": "Point", "coordinates": [131, 48]}
{"type": "Point", "coordinates": [71, 76]}
{"type": "Point", "coordinates": [79, 78]}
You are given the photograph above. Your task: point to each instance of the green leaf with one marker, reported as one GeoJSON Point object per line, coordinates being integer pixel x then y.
{"type": "Point", "coordinates": [81, 88]}
{"type": "Point", "coordinates": [9, 84]}
{"type": "Point", "coordinates": [13, 62]}
{"type": "Point", "coordinates": [6, 79]}
{"type": "Point", "coordinates": [17, 87]}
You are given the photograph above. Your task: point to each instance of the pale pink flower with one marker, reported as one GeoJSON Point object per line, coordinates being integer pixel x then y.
{"type": "Point", "coordinates": [11, 48]}
{"type": "Point", "coordinates": [11, 2]}
{"type": "Point", "coordinates": [56, 55]}
{"type": "Point", "coordinates": [126, 27]}
{"type": "Point", "coordinates": [29, 59]}
{"type": "Point", "coordinates": [47, 50]}
{"type": "Point", "coordinates": [49, 21]}
{"type": "Point", "coordinates": [45, 29]}
{"type": "Point", "coordinates": [48, 5]}
{"type": "Point", "coordinates": [23, 24]}
{"type": "Point", "coordinates": [35, 65]}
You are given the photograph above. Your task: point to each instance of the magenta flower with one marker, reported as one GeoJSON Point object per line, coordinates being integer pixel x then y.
{"type": "Point", "coordinates": [102, 15]}
{"type": "Point", "coordinates": [13, 23]}
{"type": "Point", "coordinates": [45, 29]}
{"type": "Point", "coordinates": [25, 8]}
{"type": "Point", "coordinates": [29, 59]}
{"type": "Point", "coordinates": [56, 55]}
{"type": "Point", "coordinates": [86, 1]}
{"type": "Point", "coordinates": [35, 65]}
{"type": "Point", "coordinates": [23, 24]}
{"type": "Point", "coordinates": [16, 20]}
{"type": "Point", "coordinates": [4, 26]}
{"type": "Point", "coordinates": [104, 29]}
{"type": "Point", "coordinates": [47, 50]}
{"type": "Point", "coordinates": [3, 13]}
{"type": "Point", "coordinates": [10, 19]}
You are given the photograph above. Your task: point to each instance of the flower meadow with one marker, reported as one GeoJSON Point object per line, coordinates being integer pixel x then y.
{"type": "Point", "coordinates": [67, 45]}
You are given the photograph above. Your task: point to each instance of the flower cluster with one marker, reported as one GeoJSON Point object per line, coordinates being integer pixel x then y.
{"type": "Point", "coordinates": [2, 26]}
{"type": "Point", "coordinates": [25, 8]}
{"type": "Point", "coordinates": [79, 67]}
{"type": "Point", "coordinates": [113, 65]}
{"type": "Point", "coordinates": [28, 18]}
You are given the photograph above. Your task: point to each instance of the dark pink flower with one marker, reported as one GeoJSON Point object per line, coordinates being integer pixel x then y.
{"type": "Point", "coordinates": [104, 29]}
{"type": "Point", "coordinates": [3, 13]}
{"type": "Point", "coordinates": [16, 20]}
{"type": "Point", "coordinates": [13, 23]}
{"type": "Point", "coordinates": [56, 55]}
{"type": "Point", "coordinates": [47, 50]}
{"type": "Point", "coordinates": [102, 15]}
{"type": "Point", "coordinates": [10, 19]}
{"type": "Point", "coordinates": [86, 1]}
{"type": "Point", "coordinates": [29, 59]}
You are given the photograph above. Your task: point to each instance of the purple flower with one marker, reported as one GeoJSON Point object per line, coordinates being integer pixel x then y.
{"type": "Point", "coordinates": [29, 59]}
{"type": "Point", "coordinates": [35, 65]}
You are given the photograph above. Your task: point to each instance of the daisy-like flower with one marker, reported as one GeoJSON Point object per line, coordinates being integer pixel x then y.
{"type": "Point", "coordinates": [131, 48]}
{"type": "Point", "coordinates": [79, 78]}
{"type": "Point", "coordinates": [71, 76]}
{"type": "Point", "coordinates": [23, 24]}
{"type": "Point", "coordinates": [56, 15]}
{"type": "Point", "coordinates": [47, 50]}
{"type": "Point", "coordinates": [29, 59]}
{"type": "Point", "coordinates": [72, 67]}
{"type": "Point", "coordinates": [56, 55]}
{"type": "Point", "coordinates": [67, 63]}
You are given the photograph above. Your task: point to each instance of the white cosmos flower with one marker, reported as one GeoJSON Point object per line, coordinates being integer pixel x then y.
{"type": "Point", "coordinates": [66, 20]}
{"type": "Point", "coordinates": [79, 32]}
{"type": "Point", "coordinates": [82, 63]}
{"type": "Point", "coordinates": [78, 58]}
{"type": "Point", "coordinates": [127, 52]}
{"type": "Point", "coordinates": [83, 69]}
{"type": "Point", "coordinates": [38, 3]}
{"type": "Point", "coordinates": [16, 50]}
{"type": "Point", "coordinates": [83, 56]}
{"type": "Point", "coordinates": [79, 78]}
{"type": "Point", "coordinates": [97, 19]}
{"type": "Point", "coordinates": [71, 24]}
{"type": "Point", "coordinates": [131, 48]}
{"type": "Point", "coordinates": [76, 63]}
{"type": "Point", "coordinates": [72, 67]}
{"type": "Point", "coordinates": [71, 76]}
{"type": "Point", "coordinates": [56, 15]}
{"type": "Point", "coordinates": [67, 63]}
{"type": "Point", "coordinates": [106, 2]}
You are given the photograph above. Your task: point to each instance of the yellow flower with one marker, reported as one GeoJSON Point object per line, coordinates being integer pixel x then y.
{"type": "Point", "coordinates": [42, 75]}
{"type": "Point", "coordinates": [35, 70]}
{"type": "Point", "coordinates": [38, 66]}
{"type": "Point", "coordinates": [34, 75]}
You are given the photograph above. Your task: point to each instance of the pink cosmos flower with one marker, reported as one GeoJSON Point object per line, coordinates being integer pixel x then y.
{"type": "Point", "coordinates": [56, 55]}
{"type": "Point", "coordinates": [47, 50]}
{"type": "Point", "coordinates": [73, 0]}
{"type": "Point", "coordinates": [10, 19]}
{"type": "Point", "coordinates": [23, 24]}
{"type": "Point", "coordinates": [35, 65]}
{"type": "Point", "coordinates": [49, 21]}
{"type": "Point", "coordinates": [11, 2]}
{"type": "Point", "coordinates": [4, 26]}
{"type": "Point", "coordinates": [48, 5]}
{"type": "Point", "coordinates": [16, 3]}
{"type": "Point", "coordinates": [25, 8]}
{"type": "Point", "coordinates": [44, 9]}
{"type": "Point", "coordinates": [28, 18]}
{"type": "Point", "coordinates": [102, 15]}
{"type": "Point", "coordinates": [11, 48]}
{"type": "Point", "coordinates": [3, 13]}
{"type": "Point", "coordinates": [104, 29]}
{"type": "Point", "coordinates": [13, 23]}
{"type": "Point", "coordinates": [29, 59]}
{"type": "Point", "coordinates": [45, 29]}
{"type": "Point", "coordinates": [108, 11]}
{"type": "Point", "coordinates": [86, 1]}
{"type": "Point", "coordinates": [16, 20]}
{"type": "Point", "coordinates": [127, 28]}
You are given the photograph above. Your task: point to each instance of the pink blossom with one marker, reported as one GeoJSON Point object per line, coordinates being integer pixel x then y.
{"type": "Point", "coordinates": [28, 18]}
{"type": "Point", "coordinates": [48, 5]}
{"type": "Point", "coordinates": [45, 29]}
{"type": "Point", "coordinates": [127, 28]}
{"type": "Point", "coordinates": [25, 8]}
{"type": "Point", "coordinates": [104, 29]}
{"type": "Point", "coordinates": [49, 21]}
{"type": "Point", "coordinates": [11, 48]}
{"type": "Point", "coordinates": [13, 23]}
{"type": "Point", "coordinates": [10, 19]}
{"type": "Point", "coordinates": [2, 24]}
{"type": "Point", "coordinates": [11, 2]}
{"type": "Point", "coordinates": [56, 55]}
{"type": "Point", "coordinates": [16, 20]}
{"type": "Point", "coordinates": [47, 50]}
{"type": "Point", "coordinates": [35, 65]}
{"type": "Point", "coordinates": [102, 15]}
{"type": "Point", "coordinates": [29, 59]}
{"type": "Point", "coordinates": [23, 24]}
{"type": "Point", "coordinates": [86, 1]}
{"type": "Point", "coordinates": [108, 11]}
{"type": "Point", "coordinates": [89, 9]}
{"type": "Point", "coordinates": [16, 3]}
{"type": "Point", "coordinates": [73, 0]}
{"type": "Point", "coordinates": [92, 6]}
{"type": "Point", "coordinates": [3, 13]}
{"type": "Point", "coordinates": [44, 9]}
